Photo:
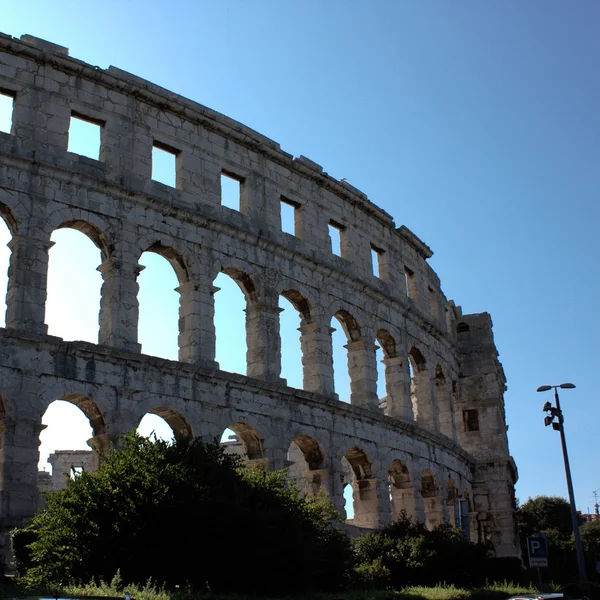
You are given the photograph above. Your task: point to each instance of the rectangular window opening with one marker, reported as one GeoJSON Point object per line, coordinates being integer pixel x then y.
{"type": "Point", "coordinates": [231, 190]}
{"type": "Point", "coordinates": [84, 136]}
{"type": "Point", "coordinates": [164, 164]}
{"type": "Point", "coordinates": [376, 261]}
{"type": "Point", "coordinates": [289, 216]}
{"type": "Point", "coordinates": [433, 305]}
{"type": "Point", "coordinates": [335, 237]}
{"type": "Point", "coordinates": [471, 420]}
{"type": "Point", "coordinates": [409, 281]}
{"type": "Point", "coordinates": [7, 103]}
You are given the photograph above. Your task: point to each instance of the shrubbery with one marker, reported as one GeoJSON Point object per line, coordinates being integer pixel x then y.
{"type": "Point", "coordinates": [185, 514]}
{"type": "Point", "coordinates": [409, 554]}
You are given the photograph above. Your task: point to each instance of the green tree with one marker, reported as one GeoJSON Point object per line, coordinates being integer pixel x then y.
{"type": "Point", "coordinates": [406, 553]}
{"type": "Point", "coordinates": [184, 514]}
{"type": "Point", "coordinates": [551, 516]}
{"type": "Point", "coordinates": [547, 514]}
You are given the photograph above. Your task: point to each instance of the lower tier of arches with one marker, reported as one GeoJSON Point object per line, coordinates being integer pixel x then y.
{"type": "Point", "coordinates": [388, 465]}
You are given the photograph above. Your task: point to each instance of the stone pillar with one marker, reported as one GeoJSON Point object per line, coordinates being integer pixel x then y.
{"type": "Point", "coordinates": [423, 397]}
{"type": "Point", "coordinates": [19, 457]}
{"type": "Point", "coordinates": [397, 385]}
{"type": "Point", "coordinates": [196, 324]}
{"type": "Point", "coordinates": [119, 307]}
{"type": "Point", "coordinates": [435, 511]}
{"type": "Point", "coordinates": [371, 503]}
{"type": "Point", "coordinates": [317, 362]}
{"type": "Point", "coordinates": [362, 367]}
{"type": "Point", "coordinates": [443, 394]}
{"type": "Point", "coordinates": [336, 487]}
{"type": "Point", "coordinates": [263, 357]}
{"type": "Point", "coordinates": [27, 284]}
{"type": "Point", "coordinates": [311, 482]}
{"type": "Point", "coordinates": [406, 500]}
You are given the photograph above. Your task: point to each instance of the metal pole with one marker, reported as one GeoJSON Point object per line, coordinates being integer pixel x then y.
{"type": "Point", "coordinates": [574, 518]}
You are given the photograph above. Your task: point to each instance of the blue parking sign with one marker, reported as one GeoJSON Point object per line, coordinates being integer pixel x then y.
{"type": "Point", "coordinates": [537, 548]}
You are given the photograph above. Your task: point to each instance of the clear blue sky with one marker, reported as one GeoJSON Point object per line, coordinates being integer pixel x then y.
{"type": "Point", "coordinates": [474, 123]}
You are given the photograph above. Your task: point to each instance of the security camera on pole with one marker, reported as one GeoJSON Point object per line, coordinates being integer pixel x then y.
{"type": "Point", "coordinates": [554, 412]}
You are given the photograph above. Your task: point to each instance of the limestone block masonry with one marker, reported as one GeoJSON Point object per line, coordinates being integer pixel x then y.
{"type": "Point", "coordinates": [435, 446]}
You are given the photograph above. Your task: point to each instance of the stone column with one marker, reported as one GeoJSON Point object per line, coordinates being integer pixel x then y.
{"type": "Point", "coordinates": [397, 385]}
{"type": "Point", "coordinates": [404, 500]}
{"type": "Point", "coordinates": [27, 284]}
{"type": "Point", "coordinates": [311, 482]}
{"type": "Point", "coordinates": [443, 396]}
{"type": "Point", "coordinates": [371, 503]}
{"type": "Point", "coordinates": [119, 307]}
{"type": "Point", "coordinates": [196, 323]}
{"type": "Point", "coordinates": [19, 457]}
{"type": "Point", "coordinates": [362, 367]}
{"type": "Point", "coordinates": [423, 396]}
{"type": "Point", "coordinates": [435, 511]}
{"type": "Point", "coordinates": [317, 362]}
{"type": "Point", "coordinates": [263, 357]}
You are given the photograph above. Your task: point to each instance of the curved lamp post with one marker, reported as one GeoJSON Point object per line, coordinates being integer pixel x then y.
{"type": "Point", "coordinates": [555, 411]}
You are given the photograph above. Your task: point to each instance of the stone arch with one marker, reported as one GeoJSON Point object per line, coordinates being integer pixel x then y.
{"type": "Point", "coordinates": [429, 485]}
{"type": "Point", "coordinates": [387, 343]}
{"type": "Point", "coordinates": [311, 451]}
{"type": "Point", "coordinates": [399, 475]}
{"type": "Point", "coordinates": [174, 257]}
{"type": "Point", "coordinates": [401, 491]}
{"type": "Point", "coordinates": [433, 503]}
{"type": "Point", "coordinates": [299, 302]}
{"type": "Point", "coordinates": [306, 465]}
{"type": "Point", "coordinates": [417, 359]}
{"type": "Point", "coordinates": [349, 325]}
{"type": "Point", "coordinates": [176, 421]}
{"type": "Point", "coordinates": [250, 439]}
{"type": "Point", "coordinates": [91, 231]}
{"type": "Point", "coordinates": [358, 473]}
{"type": "Point", "coordinates": [9, 217]}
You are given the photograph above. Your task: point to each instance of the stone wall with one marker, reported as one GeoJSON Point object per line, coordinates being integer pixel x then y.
{"type": "Point", "coordinates": [435, 445]}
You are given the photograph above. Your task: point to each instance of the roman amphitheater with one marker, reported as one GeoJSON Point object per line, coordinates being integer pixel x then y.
{"type": "Point", "coordinates": [434, 446]}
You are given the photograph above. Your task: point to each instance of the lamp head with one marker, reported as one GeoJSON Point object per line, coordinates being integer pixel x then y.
{"type": "Point", "coordinates": [544, 388]}
{"type": "Point", "coordinates": [566, 386]}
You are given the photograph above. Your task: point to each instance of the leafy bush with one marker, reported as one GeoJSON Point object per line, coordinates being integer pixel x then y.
{"type": "Point", "coordinates": [415, 556]}
{"type": "Point", "coordinates": [184, 514]}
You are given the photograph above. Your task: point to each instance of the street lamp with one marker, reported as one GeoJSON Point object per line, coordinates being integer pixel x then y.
{"type": "Point", "coordinates": [554, 411]}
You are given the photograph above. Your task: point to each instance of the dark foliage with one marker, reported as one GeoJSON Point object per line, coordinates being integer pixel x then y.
{"type": "Point", "coordinates": [184, 514]}
{"type": "Point", "coordinates": [405, 553]}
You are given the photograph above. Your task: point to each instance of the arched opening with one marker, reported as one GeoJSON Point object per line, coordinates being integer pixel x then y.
{"type": "Point", "coordinates": [73, 432]}
{"type": "Point", "coordinates": [420, 392]}
{"type": "Point", "coordinates": [432, 502]}
{"type": "Point", "coordinates": [358, 476]}
{"type": "Point", "coordinates": [453, 503]}
{"type": "Point", "coordinates": [340, 337]}
{"type": "Point", "coordinates": [5, 239]}
{"type": "Point", "coordinates": [429, 487]}
{"type": "Point", "coordinates": [164, 424]}
{"type": "Point", "coordinates": [462, 327]}
{"type": "Point", "coordinates": [74, 283]}
{"type": "Point", "coordinates": [234, 289]}
{"type": "Point", "coordinates": [305, 462]}
{"type": "Point", "coordinates": [295, 311]}
{"type": "Point", "coordinates": [244, 440]}
{"type": "Point", "coordinates": [159, 301]}
{"type": "Point", "coordinates": [385, 350]}
{"type": "Point", "coordinates": [402, 493]}
{"type": "Point", "coordinates": [443, 395]}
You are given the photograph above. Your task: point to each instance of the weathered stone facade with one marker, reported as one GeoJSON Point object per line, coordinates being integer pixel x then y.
{"type": "Point", "coordinates": [436, 445]}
